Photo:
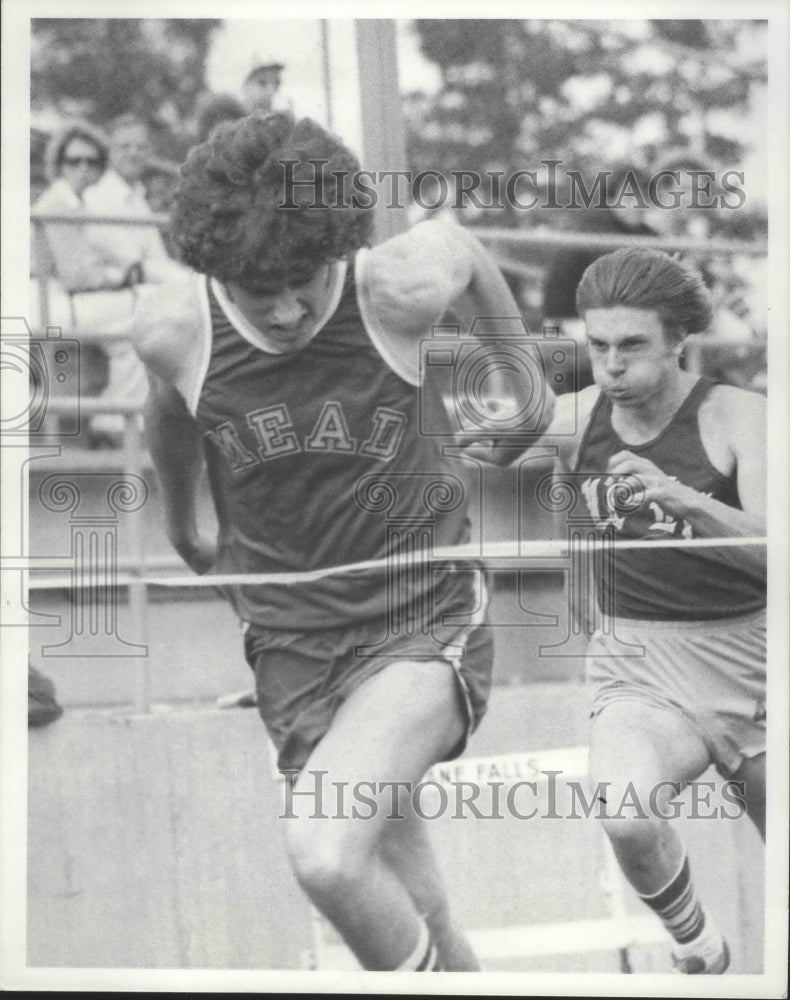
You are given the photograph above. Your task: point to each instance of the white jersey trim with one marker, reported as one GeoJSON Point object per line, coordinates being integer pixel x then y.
{"type": "Point", "coordinates": [481, 598]}
{"type": "Point", "coordinates": [252, 334]}
{"type": "Point", "coordinates": [382, 340]}
{"type": "Point", "coordinates": [192, 394]}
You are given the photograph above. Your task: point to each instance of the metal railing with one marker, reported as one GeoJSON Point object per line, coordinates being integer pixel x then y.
{"type": "Point", "coordinates": [611, 241]}
{"type": "Point", "coordinates": [45, 268]}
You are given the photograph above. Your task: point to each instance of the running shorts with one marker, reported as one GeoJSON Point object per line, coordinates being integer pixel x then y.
{"type": "Point", "coordinates": [303, 676]}
{"type": "Point", "coordinates": [711, 672]}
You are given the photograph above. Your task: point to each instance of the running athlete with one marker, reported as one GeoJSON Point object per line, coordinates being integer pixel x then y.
{"type": "Point", "coordinates": [656, 453]}
{"type": "Point", "coordinates": [290, 364]}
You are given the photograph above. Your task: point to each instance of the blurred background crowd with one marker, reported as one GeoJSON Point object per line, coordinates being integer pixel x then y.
{"type": "Point", "coordinates": [118, 103]}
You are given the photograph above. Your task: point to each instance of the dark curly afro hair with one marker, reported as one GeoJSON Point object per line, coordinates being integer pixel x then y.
{"type": "Point", "coordinates": [231, 219]}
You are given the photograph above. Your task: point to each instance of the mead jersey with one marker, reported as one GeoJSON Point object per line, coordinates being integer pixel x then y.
{"type": "Point", "coordinates": [665, 583]}
{"type": "Point", "coordinates": [317, 458]}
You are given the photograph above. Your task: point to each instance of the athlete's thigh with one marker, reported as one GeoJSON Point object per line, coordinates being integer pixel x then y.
{"type": "Point", "coordinates": [391, 728]}
{"type": "Point", "coordinates": [640, 745]}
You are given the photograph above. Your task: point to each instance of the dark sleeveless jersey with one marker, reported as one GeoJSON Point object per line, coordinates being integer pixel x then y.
{"type": "Point", "coordinates": [666, 583]}
{"type": "Point", "coordinates": [316, 459]}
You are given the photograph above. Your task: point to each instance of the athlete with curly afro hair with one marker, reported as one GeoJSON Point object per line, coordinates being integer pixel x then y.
{"type": "Point", "coordinates": [291, 367]}
{"type": "Point", "coordinates": [265, 202]}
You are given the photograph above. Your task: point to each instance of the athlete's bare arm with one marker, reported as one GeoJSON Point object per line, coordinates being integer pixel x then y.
{"type": "Point", "coordinates": [417, 276]}
{"type": "Point", "coordinates": [166, 338]}
{"type": "Point", "coordinates": [732, 427]}
{"type": "Point", "coordinates": [564, 434]}
{"type": "Point", "coordinates": [414, 279]}
{"type": "Point", "coordinates": [572, 413]}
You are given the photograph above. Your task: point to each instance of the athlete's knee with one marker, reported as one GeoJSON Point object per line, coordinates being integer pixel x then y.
{"type": "Point", "coordinates": [633, 815]}
{"type": "Point", "coordinates": [638, 833]}
{"type": "Point", "coordinates": [632, 807]}
{"type": "Point", "coordinates": [325, 863]}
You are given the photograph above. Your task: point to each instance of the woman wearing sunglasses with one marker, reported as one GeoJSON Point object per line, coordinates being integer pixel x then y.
{"type": "Point", "coordinates": [77, 157]}
{"type": "Point", "coordinates": [87, 287]}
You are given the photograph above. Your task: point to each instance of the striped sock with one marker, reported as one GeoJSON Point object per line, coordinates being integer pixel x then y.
{"type": "Point", "coordinates": [678, 907]}
{"type": "Point", "coordinates": [424, 958]}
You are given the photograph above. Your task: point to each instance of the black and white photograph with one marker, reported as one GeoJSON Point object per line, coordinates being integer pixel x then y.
{"type": "Point", "coordinates": [395, 554]}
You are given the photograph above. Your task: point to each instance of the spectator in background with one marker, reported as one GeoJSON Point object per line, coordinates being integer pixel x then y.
{"type": "Point", "coordinates": [735, 351]}
{"type": "Point", "coordinates": [682, 187]}
{"type": "Point", "coordinates": [213, 109]}
{"type": "Point", "coordinates": [160, 179]}
{"type": "Point", "coordinates": [39, 182]}
{"type": "Point", "coordinates": [39, 140]}
{"type": "Point", "coordinates": [121, 191]}
{"type": "Point", "coordinates": [622, 215]}
{"type": "Point", "coordinates": [76, 158]}
{"type": "Point", "coordinates": [261, 90]}
{"type": "Point", "coordinates": [139, 249]}
{"type": "Point", "coordinates": [84, 288]}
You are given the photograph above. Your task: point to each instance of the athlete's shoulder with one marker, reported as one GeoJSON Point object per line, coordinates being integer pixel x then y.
{"type": "Point", "coordinates": [735, 416]}
{"type": "Point", "coordinates": [439, 246]}
{"type": "Point", "coordinates": [414, 276]}
{"type": "Point", "coordinates": [733, 401]}
{"type": "Point", "coordinates": [734, 411]}
{"type": "Point", "coordinates": [167, 325]}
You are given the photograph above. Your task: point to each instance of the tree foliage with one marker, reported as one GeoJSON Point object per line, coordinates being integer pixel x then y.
{"type": "Point", "coordinates": [102, 67]}
{"type": "Point", "coordinates": [515, 92]}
